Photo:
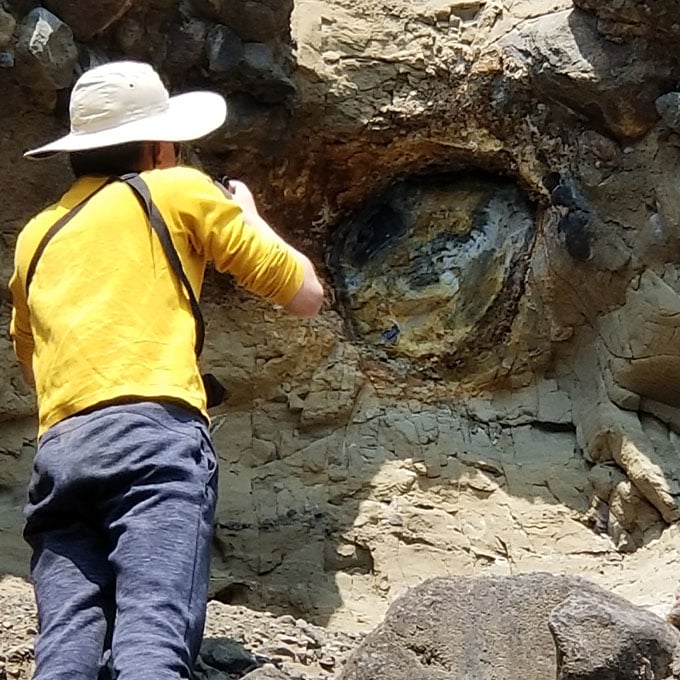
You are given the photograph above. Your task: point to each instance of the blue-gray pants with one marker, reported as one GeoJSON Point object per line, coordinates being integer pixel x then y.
{"type": "Point", "coordinates": [120, 519]}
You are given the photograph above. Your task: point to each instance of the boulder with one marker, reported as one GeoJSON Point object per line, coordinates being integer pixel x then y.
{"type": "Point", "coordinates": [88, 19]}
{"type": "Point", "coordinates": [602, 638]}
{"type": "Point", "coordinates": [225, 50]}
{"type": "Point", "coordinates": [499, 628]}
{"type": "Point", "coordinates": [569, 62]}
{"type": "Point", "coordinates": [46, 53]}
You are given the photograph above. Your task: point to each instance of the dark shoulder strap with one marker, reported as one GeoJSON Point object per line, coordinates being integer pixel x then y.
{"type": "Point", "coordinates": [141, 191]}
{"type": "Point", "coordinates": [51, 232]}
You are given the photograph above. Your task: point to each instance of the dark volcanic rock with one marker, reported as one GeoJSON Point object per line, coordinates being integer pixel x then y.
{"type": "Point", "coordinates": [494, 628]}
{"type": "Point", "coordinates": [225, 50]}
{"type": "Point", "coordinates": [253, 20]}
{"type": "Point", "coordinates": [186, 44]}
{"type": "Point", "coordinates": [87, 19]}
{"type": "Point", "coordinates": [46, 53]}
{"type": "Point", "coordinates": [599, 638]}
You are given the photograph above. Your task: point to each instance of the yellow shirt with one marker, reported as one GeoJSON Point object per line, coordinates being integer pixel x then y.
{"type": "Point", "coordinates": [106, 317]}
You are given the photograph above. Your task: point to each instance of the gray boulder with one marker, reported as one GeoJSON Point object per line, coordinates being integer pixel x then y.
{"type": "Point", "coordinates": [602, 638]}
{"type": "Point", "coordinates": [489, 628]}
{"type": "Point", "coordinates": [46, 53]}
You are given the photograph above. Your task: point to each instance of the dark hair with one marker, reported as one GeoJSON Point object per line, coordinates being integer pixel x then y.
{"type": "Point", "coordinates": [109, 160]}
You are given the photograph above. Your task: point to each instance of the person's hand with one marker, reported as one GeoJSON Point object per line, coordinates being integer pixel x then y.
{"type": "Point", "coordinates": [242, 196]}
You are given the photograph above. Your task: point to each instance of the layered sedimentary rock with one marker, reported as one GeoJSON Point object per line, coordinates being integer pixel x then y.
{"type": "Point", "coordinates": [489, 192]}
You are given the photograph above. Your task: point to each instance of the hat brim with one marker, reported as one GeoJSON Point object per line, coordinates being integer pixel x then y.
{"type": "Point", "coordinates": [188, 116]}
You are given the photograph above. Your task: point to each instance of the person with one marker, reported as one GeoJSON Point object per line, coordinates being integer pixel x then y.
{"type": "Point", "coordinates": [122, 495]}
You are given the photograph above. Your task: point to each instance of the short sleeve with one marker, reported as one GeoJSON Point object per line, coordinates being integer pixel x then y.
{"type": "Point", "coordinates": [258, 261]}
{"type": "Point", "coordinates": [20, 324]}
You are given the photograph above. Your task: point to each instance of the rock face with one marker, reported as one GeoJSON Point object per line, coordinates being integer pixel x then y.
{"type": "Point", "coordinates": [443, 260]}
{"type": "Point", "coordinates": [496, 628]}
{"type": "Point", "coordinates": [601, 79]}
{"type": "Point", "coordinates": [490, 192]}
{"type": "Point", "coordinates": [653, 19]}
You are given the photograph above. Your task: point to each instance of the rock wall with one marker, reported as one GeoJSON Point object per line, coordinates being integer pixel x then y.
{"type": "Point", "coordinates": [489, 191]}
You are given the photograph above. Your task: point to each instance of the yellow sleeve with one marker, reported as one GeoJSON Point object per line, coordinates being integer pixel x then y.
{"type": "Point", "coordinates": [20, 325]}
{"type": "Point", "coordinates": [258, 262]}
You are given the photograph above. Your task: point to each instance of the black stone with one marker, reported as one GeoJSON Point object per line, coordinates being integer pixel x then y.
{"type": "Point", "coordinates": [391, 335]}
{"type": "Point", "coordinates": [575, 227]}
{"type": "Point", "coordinates": [228, 656]}
{"type": "Point", "coordinates": [376, 229]}
{"type": "Point", "coordinates": [563, 195]}
{"type": "Point", "coordinates": [225, 50]}
{"type": "Point", "coordinates": [6, 59]}
{"type": "Point", "coordinates": [551, 180]}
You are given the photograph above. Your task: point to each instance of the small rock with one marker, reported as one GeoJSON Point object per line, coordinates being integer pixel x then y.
{"type": "Point", "coordinates": [327, 663]}
{"type": "Point", "coordinates": [668, 107]}
{"type": "Point", "coordinates": [88, 58]}
{"type": "Point", "coordinates": [288, 639]}
{"type": "Point", "coordinates": [186, 45]}
{"type": "Point", "coordinates": [280, 651]}
{"type": "Point", "coordinates": [46, 53]}
{"type": "Point", "coordinates": [227, 656]}
{"type": "Point", "coordinates": [253, 20]}
{"type": "Point", "coordinates": [225, 49]}
{"type": "Point", "coordinates": [6, 59]}
{"type": "Point", "coordinates": [575, 227]}
{"type": "Point", "coordinates": [266, 673]}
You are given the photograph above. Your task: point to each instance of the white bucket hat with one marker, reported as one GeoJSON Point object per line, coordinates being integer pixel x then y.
{"type": "Point", "coordinates": [125, 101]}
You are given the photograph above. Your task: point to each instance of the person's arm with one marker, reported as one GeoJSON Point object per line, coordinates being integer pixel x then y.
{"type": "Point", "coordinates": [20, 329]}
{"type": "Point", "coordinates": [308, 299]}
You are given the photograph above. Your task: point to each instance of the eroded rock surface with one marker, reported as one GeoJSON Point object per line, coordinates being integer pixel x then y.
{"type": "Point", "coordinates": [492, 386]}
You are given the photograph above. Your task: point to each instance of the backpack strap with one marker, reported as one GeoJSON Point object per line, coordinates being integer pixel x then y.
{"type": "Point", "coordinates": [57, 226]}
{"type": "Point", "coordinates": [143, 195]}
{"type": "Point", "coordinates": [158, 224]}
